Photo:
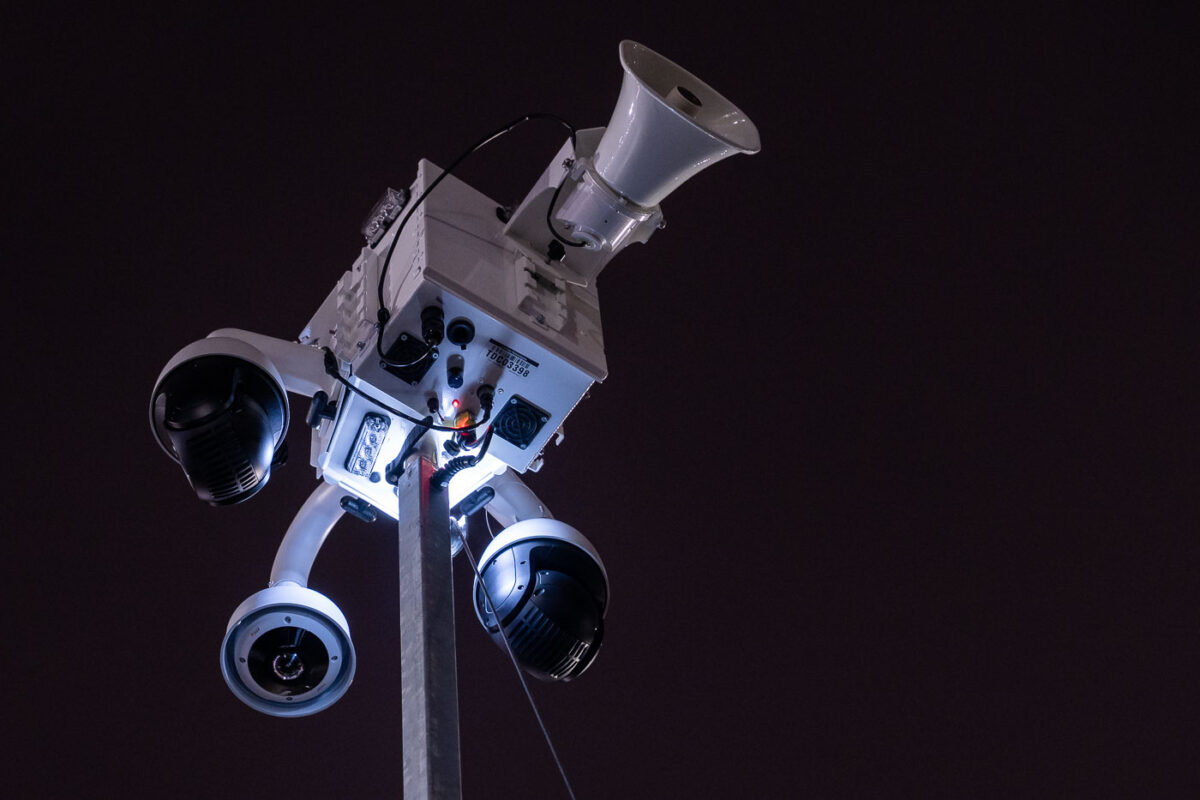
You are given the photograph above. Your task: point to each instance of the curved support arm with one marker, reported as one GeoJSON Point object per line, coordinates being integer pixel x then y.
{"type": "Point", "coordinates": [514, 501]}
{"type": "Point", "coordinates": [306, 534]}
{"type": "Point", "coordinates": [301, 367]}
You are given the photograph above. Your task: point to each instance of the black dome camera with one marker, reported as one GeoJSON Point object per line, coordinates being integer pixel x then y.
{"type": "Point", "coordinates": [220, 410]}
{"type": "Point", "coordinates": [545, 584]}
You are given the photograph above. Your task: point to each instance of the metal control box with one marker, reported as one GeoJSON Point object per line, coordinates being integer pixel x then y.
{"type": "Point", "coordinates": [521, 323]}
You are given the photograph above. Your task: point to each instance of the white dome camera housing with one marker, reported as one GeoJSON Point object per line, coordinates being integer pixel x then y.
{"type": "Point", "coordinates": [550, 592]}
{"type": "Point", "coordinates": [220, 410]}
{"type": "Point", "coordinates": [287, 651]}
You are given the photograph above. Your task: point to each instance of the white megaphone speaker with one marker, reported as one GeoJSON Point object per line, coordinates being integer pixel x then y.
{"type": "Point", "coordinates": [667, 126]}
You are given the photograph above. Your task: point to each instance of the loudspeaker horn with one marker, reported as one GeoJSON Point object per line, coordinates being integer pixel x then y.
{"type": "Point", "coordinates": [667, 126]}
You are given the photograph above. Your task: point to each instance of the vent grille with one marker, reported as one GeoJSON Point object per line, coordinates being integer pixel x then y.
{"type": "Point", "coordinates": [219, 463]}
{"type": "Point", "coordinates": [539, 643]}
{"type": "Point", "coordinates": [519, 422]}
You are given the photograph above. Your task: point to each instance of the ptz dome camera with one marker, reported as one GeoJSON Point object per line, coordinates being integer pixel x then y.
{"type": "Point", "coordinates": [287, 651]}
{"type": "Point", "coordinates": [550, 593]}
{"type": "Point", "coordinates": [219, 409]}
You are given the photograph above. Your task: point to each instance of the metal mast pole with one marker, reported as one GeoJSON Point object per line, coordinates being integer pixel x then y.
{"type": "Point", "coordinates": [428, 674]}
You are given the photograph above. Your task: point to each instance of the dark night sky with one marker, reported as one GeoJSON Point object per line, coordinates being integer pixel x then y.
{"type": "Point", "coordinates": [894, 474]}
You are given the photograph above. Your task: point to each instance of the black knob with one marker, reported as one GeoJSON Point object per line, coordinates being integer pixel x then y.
{"type": "Point", "coordinates": [460, 332]}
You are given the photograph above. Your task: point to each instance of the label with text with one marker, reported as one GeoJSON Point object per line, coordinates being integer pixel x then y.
{"type": "Point", "coordinates": [511, 360]}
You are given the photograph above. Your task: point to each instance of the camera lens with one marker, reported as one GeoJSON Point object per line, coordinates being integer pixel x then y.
{"type": "Point", "coordinates": [288, 661]}
{"type": "Point", "coordinates": [287, 666]}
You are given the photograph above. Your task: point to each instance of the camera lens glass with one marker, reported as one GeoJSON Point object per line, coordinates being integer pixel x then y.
{"type": "Point", "coordinates": [288, 661]}
{"type": "Point", "coordinates": [287, 666]}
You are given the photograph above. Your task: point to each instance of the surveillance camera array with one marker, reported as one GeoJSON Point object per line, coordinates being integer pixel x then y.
{"type": "Point", "coordinates": [462, 323]}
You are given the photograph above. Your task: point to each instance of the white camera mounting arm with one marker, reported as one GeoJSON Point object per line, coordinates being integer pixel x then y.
{"type": "Point", "coordinates": [304, 537]}
{"type": "Point", "coordinates": [301, 367]}
{"type": "Point", "coordinates": [514, 501]}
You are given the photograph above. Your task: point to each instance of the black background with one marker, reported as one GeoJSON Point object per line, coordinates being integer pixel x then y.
{"type": "Point", "coordinates": [894, 474]}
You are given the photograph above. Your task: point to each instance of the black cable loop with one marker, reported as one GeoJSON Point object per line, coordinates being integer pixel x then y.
{"type": "Point", "coordinates": [384, 315]}
{"type": "Point", "coordinates": [550, 213]}
{"type": "Point", "coordinates": [331, 369]}
{"type": "Point", "coordinates": [442, 477]}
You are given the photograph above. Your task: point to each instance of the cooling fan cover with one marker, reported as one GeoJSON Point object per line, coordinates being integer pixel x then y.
{"type": "Point", "coordinates": [519, 422]}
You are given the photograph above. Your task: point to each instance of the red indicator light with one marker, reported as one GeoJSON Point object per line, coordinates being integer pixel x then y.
{"type": "Point", "coordinates": [454, 403]}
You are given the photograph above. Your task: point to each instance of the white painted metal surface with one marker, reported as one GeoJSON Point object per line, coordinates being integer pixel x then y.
{"type": "Point", "coordinates": [667, 126]}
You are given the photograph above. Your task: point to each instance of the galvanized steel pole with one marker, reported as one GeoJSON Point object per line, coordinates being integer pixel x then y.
{"type": "Point", "coordinates": [428, 674]}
